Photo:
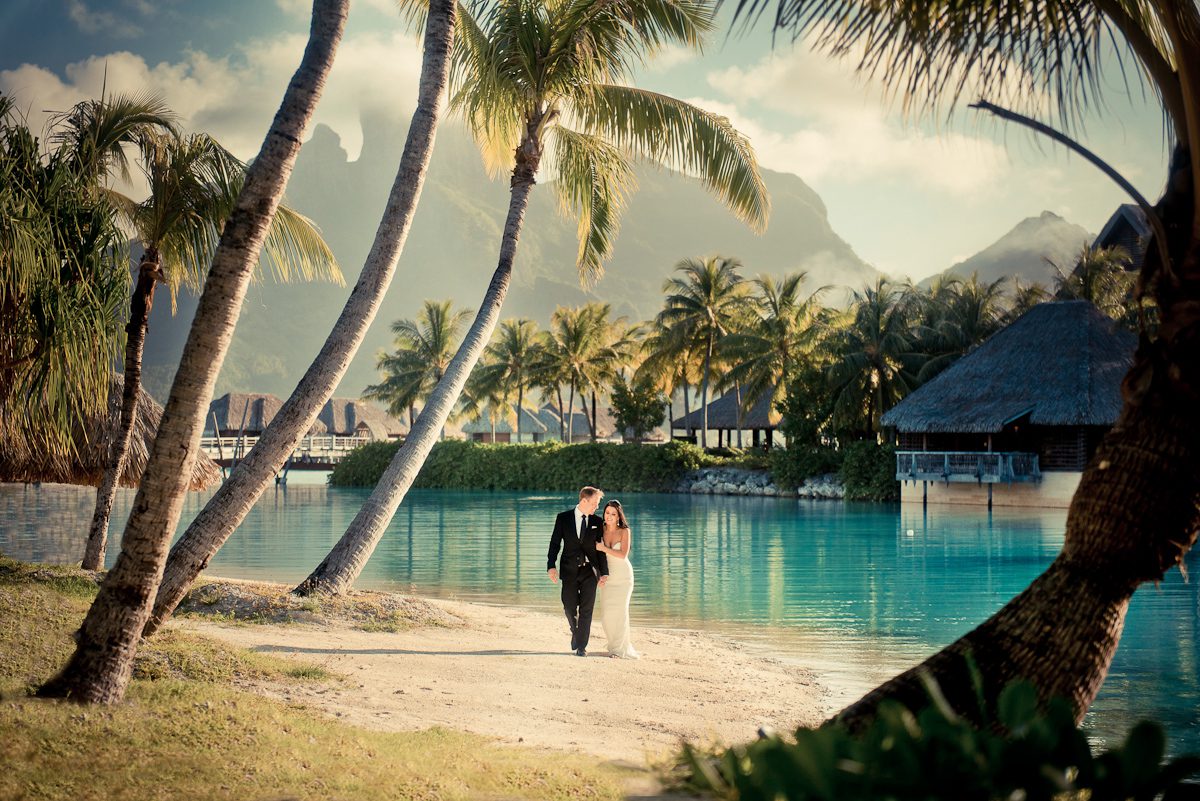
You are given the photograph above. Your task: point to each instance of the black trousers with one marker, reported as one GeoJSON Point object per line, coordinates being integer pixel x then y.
{"type": "Point", "coordinates": [579, 598]}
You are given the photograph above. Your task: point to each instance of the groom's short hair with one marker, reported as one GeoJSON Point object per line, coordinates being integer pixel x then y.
{"type": "Point", "coordinates": [590, 492]}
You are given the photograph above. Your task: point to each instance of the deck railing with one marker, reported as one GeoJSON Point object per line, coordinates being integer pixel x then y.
{"type": "Point", "coordinates": [325, 449]}
{"type": "Point", "coordinates": [963, 466]}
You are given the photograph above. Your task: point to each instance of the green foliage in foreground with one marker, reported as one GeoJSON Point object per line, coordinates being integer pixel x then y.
{"type": "Point", "coordinates": [937, 755]}
{"type": "Point", "coordinates": [552, 466]}
{"type": "Point", "coordinates": [869, 472]}
{"type": "Point", "coordinates": [187, 732]}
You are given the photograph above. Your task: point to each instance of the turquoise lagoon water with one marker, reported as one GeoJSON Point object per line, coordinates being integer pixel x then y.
{"type": "Point", "coordinates": [857, 592]}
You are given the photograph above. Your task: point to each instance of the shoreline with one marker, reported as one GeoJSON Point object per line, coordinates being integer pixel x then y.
{"type": "Point", "coordinates": [504, 671]}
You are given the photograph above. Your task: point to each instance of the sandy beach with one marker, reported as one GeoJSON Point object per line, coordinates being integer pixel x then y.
{"type": "Point", "coordinates": [506, 672]}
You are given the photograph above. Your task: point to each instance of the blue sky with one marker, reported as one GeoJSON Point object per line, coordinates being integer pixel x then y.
{"type": "Point", "coordinates": [912, 198]}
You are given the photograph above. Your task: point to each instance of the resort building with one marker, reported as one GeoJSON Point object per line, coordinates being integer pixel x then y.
{"type": "Point", "coordinates": [1128, 228]}
{"type": "Point", "coordinates": [760, 420]}
{"type": "Point", "coordinates": [1015, 421]}
{"type": "Point", "coordinates": [489, 427]}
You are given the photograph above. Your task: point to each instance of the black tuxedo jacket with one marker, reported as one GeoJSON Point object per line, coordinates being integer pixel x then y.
{"type": "Point", "coordinates": [576, 549]}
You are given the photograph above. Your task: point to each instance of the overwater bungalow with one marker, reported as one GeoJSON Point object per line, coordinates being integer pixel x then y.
{"type": "Point", "coordinates": [760, 420]}
{"type": "Point", "coordinates": [21, 463]}
{"type": "Point", "coordinates": [1015, 421]}
{"type": "Point", "coordinates": [354, 417]}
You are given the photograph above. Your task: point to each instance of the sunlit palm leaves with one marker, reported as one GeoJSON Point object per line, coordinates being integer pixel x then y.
{"type": "Point", "coordinates": [1102, 276]}
{"type": "Point", "coordinates": [542, 76]}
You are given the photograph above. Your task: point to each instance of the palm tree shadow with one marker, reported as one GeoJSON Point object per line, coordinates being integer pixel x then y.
{"type": "Point", "coordinates": [287, 649]}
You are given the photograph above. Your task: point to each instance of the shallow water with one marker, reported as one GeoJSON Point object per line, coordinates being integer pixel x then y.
{"type": "Point", "coordinates": [856, 591]}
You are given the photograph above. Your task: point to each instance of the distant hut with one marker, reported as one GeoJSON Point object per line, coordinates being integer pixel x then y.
{"type": "Point", "coordinates": [249, 413]}
{"type": "Point", "coordinates": [760, 420]}
{"type": "Point", "coordinates": [503, 429]}
{"type": "Point", "coordinates": [21, 463]}
{"type": "Point", "coordinates": [348, 417]}
{"type": "Point", "coordinates": [1024, 410]}
{"type": "Point", "coordinates": [577, 424]}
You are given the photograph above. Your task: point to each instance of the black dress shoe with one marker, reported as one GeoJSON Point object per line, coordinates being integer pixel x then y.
{"type": "Point", "coordinates": [580, 652]}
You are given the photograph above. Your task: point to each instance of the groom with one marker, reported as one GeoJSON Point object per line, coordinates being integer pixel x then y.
{"type": "Point", "coordinates": [584, 568]}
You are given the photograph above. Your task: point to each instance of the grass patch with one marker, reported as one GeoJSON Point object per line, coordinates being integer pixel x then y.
{"type": "Point", "coordinates": [187, 731]}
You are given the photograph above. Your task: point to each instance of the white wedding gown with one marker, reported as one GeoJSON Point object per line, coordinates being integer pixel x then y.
{"type": "Point", "coordinates": [614, 607]}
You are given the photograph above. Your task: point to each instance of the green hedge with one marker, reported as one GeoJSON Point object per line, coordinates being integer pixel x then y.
{"type": "Point", "coordinates": [455, 464]}
{"type": "Point", "coordinates": [792, 465]}
{"type": "Point", "coordinates": [869, 472]}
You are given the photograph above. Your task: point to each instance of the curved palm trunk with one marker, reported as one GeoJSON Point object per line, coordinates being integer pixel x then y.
{"type": "Point", "coordinates": [571, 414]}
{"type": "Point", "coordinates": [233, 501]}
{"type": "Point", "coordinates": [587, 415]}
{"type": "Point", "coordinates": [340, 569]}
{"type": "Point", "coordinates": [149, 272]}
{"type": "Point", "coordinates": [520, 407]}
{"type": "Point", "coordinates": [562, 420]}
{"type": "Point", "coordinates": [737, 389]}
{"type": "Point", "coordinates": [100, 668]}
{"type": "Point", "coordinates": [594, 415]}
{"type": "Point", "coordinates": [1135, 515]}
{"type": "Point", "coordinates": [704, 395]}
{"type": "Point", "coordinates": [686, 410]}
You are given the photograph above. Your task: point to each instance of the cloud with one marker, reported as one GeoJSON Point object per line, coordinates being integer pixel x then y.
{"type": "Point", "coordinates": [235, 98]}
{"type": "Point", "coordinates": [827, 124]}
{"type": "Point", "coordinates": [671, 57]}
{"type": "Point", "coordinates": [90, 21]}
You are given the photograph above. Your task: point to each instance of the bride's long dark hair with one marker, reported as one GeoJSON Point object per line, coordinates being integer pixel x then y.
{"type": "Point", "coordinates": [621, 521]}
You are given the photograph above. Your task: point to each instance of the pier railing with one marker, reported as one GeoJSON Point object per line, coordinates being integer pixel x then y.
{"type": "Point", "coordinates": [323, 450]}
{"type": "Point", "coordinates": [963, 466]}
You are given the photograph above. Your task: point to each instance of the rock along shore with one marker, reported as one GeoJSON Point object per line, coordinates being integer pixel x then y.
{"type": "Point", "coordinates": [738, 481]}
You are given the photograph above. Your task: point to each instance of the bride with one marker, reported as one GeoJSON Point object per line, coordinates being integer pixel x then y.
{"type": "Point", "coordinates": [614, 597]}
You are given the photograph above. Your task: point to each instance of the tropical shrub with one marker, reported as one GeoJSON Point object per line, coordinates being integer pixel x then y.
{"type": "Point", "coordinates": [638, 406]}
{"type": "Point", "coordinates": [869, 472]}
{"type": "Point", "coordinates": [790, 466]}
{"type": "Point", "coordinates": [1033, 753]}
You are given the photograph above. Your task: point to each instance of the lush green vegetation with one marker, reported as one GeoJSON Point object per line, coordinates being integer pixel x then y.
{"type": "Point", "coordinates": [1033, 753]}
{"type": "Point", "coordinates": [195, 735]}
{"type": "Point", "coordinates": [869, 472]}
{"type": "Point", "coordinates": [454, 464]}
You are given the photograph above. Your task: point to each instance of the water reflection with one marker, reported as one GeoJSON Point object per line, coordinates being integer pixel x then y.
{"type": "Point", "coordinates": [856, 591]}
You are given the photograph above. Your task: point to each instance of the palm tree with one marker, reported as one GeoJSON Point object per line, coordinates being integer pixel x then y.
{"type": "Point", "coordinates": [1024, 297]}
{"type": "Point", "coordinates": [237, 495]}
{"type": "Point", "coordinates": [424, 348]}
{"type": "Point", "coordinates": [703, 304]}
{"type": "Point", "coordinates": [512, 357]}
{"type": "Point", "coordinates": [874, 357]}
{"type": "Point", "coordinates": [193, 185]}
{"type": "Point", "coordinates": [100, 668]}
{"type": "Point", "coordinates": [958, 315]}
{"type": "Point", "coordinates": [63, 283]}
{"type": "Point", "coordinates": [765, 354]}
{"type": "Point", "coordinates": [1101, 276]}
{"type": "Point", "coordinates": [670, 362]}
{"type": "Point", "coordinates": [1134, 514]}
{"type": "Point", "coordinates": [525, 73]}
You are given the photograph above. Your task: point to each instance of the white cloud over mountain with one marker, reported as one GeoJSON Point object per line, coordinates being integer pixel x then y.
{"type": "Point", "coordinates": [825, 124]}
{"type": "Point", "coordinates": [235, 98]}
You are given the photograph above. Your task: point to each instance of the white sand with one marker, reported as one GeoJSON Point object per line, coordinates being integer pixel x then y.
{"type": "Point", "coordinates": [506, 673]}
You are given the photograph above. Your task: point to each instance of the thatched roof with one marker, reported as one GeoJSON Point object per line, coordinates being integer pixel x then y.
{"type": "Point", "coordinates": [86, 467]}
{"type": "Point", "coordinates": [1060, 363]}
{"type": "Point", "coordinates": [251, 411]}
{"type": "Point", "coordinates": [343, 416]}
{"type": "Point", "coordinates": [530, 424]}
{"type": "Point", "coordinates": [723, 414]}
{"type": "Point", "coordinates": [578, 422]}
{"type": "Point", "coordinates": [1129, 228]}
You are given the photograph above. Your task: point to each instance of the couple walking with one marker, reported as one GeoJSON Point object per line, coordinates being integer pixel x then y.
{"type": "Point", "coordinates": [595, 553]}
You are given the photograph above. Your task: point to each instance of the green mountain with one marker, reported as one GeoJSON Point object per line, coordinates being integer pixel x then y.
{"type": "Point", "coordinates": [451, 253]}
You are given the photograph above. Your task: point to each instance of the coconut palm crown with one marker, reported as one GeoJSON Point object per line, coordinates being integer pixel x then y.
{"type": "Point", "coordinates": [544, 76]}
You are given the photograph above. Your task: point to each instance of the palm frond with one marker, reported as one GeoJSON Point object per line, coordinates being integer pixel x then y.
{"type": "Point", "coordinates": [594, 180]}
{"type": "Point", "coordinates": [683, 137]}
